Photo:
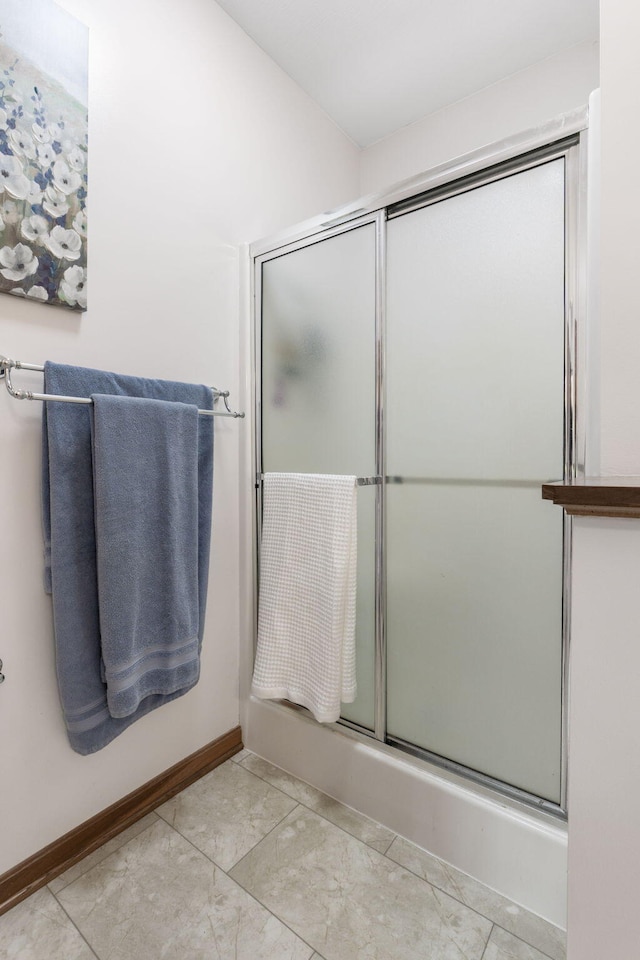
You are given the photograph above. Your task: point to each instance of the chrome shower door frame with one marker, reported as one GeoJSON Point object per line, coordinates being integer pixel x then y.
{"type": "Point", "coordinates": [564, 137]}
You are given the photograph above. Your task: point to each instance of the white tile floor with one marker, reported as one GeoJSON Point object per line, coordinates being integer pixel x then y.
{"type": "Point", "coordinates": [251, 864]}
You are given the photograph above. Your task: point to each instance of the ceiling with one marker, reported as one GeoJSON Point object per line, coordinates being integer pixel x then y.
{"type": "Point", "coordinates": [376, 65]}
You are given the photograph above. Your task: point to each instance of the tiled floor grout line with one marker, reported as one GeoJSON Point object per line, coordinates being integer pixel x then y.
{"type": "Point", "coordinates": [391, 842]}
{"type": "Point", "coordinates": [74, 925]}
{"type": "Point", "coordinates": [317, 812]}
{"type": "Point", "coordinates": [484, 952]}
{"type": "Point", "coordinates": [526, 942]}
{"type": "Point", "coordinates": [436, 887]}
{"type": "Point", "coordinates": [233, 879]}
{"type": "Point", "coordinates": [274, 827]}
{"type": "Point", "coordinates": [468, 906]}
{"type": "Point", "coordinates": [265, 907]}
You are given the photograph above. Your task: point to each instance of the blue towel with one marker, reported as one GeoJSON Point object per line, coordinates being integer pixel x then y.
{"type": "Point", "coordinates": [70, 548]}
{"type": "Point", "coordinates": [145, 482]}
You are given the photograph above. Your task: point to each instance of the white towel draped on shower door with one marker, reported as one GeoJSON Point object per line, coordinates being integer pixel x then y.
{"type": "Point", "coordinates": [306, 619]}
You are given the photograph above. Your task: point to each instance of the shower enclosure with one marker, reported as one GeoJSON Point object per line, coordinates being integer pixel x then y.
{"type": "Point", "coordinates": [427, 344]}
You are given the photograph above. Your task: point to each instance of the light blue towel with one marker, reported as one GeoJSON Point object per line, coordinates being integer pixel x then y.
{"type": "Point", "coordinates": [145, 481]}
{"type": "Point", "coordinates": [70, 549]}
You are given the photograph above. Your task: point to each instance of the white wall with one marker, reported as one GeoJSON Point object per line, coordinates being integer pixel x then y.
{"type": "Point", "coordinates": [519, 102]}
{"type": "Point", "coordinates": [620, 330]}
{"type": "Point", "coordinates": [604, 767]}
{"type": "Point", "coordinates": [197, 142]}
{"type": "Point", "coordinates": [604, 784]}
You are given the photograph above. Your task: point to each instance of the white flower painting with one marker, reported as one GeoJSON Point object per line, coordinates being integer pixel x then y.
{"type": "Point", "coordinates": [43, 153]}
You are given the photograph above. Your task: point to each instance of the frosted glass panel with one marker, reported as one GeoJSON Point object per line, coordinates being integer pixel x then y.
{"type": "Point", "coordinates": [318, 360]}
{"type": "Point", "coordinates": [475, 365]}
{"type": "Point", "coordinates": [475, 332]}
{"type": "Point", "coordinates": [318, 393]}
{"type": "Point", "coordinates": [474, 621]}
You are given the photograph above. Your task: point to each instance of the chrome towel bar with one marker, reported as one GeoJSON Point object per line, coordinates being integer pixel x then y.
{"type": "Point", "coordinates": [6, 365]}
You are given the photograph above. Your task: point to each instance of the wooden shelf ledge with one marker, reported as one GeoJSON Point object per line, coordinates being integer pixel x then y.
{"type": "Point", "coordinates": [596, 496]}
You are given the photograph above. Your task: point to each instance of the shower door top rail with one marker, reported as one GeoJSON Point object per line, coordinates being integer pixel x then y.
{"type": "Point", "coordinates": [559, 129]}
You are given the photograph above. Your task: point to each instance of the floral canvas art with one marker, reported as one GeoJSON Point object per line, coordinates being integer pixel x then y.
{"type": "Point", "coordinates": [43, 153]}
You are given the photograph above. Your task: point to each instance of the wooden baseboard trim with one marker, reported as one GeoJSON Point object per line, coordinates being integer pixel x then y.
{"type": "Point", "coordinates": [28, 876]}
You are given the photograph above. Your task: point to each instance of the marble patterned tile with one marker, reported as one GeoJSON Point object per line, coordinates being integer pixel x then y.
{"type": "Point", "coordinates": [101, 853]}
{"type": "Point", "coordinates": [226, 812]}
{"type": "Point", "coordinates": [277, 777]}
{"type": "Point", "coordinates": [361, 905]}
{"type": "Point", "coordinates": [548, 939]}
{"type": "Point", "coordinates": [157, 896]}
{"type": "Point", "coordinates": [504, 946]}
{"type": "Point", "coordinates": [242, 755]}
{"type": "Point", "coordinates": [39, 929]}
{"type": "Point", "coordinates": [370, 832]}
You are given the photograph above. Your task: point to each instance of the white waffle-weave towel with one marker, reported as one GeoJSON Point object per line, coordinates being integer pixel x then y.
{"type": "Point", "coordinates": [307, 606]}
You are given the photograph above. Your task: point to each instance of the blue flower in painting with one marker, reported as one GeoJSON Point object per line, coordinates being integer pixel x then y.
{"type": "Point", "coordinates": [17, 262]}
{"type": "Point", "coordinates": [45, 275]}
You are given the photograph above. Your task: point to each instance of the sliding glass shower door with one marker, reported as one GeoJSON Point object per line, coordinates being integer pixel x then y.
{"type": "Point", "coordinates": [475, 405]}
{"type": "Point", "coordinates": [428, 345]}
{"type": "Point", "coordinates": [318, 350]}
